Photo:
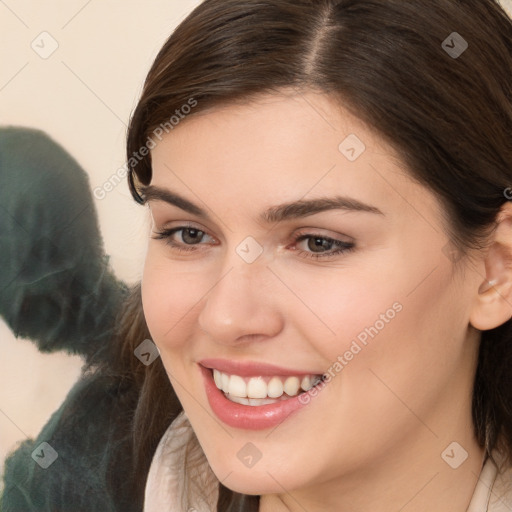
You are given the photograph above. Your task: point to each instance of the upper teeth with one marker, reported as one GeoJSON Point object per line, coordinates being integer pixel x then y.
{"type": "Point", "coordinates": [262, 387]}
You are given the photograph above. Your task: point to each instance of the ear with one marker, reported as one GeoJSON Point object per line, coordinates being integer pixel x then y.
{"type": "Point", "coordinates": [493, 301]}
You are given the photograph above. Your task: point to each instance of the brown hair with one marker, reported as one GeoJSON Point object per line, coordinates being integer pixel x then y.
{"type": "Point", "coordinates": [448, 117]}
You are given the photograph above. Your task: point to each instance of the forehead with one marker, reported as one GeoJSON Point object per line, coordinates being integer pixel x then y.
{"type": "Point", "coordinates": [282, 147]}
{"type": "Point", "coordinates": [278, 120]}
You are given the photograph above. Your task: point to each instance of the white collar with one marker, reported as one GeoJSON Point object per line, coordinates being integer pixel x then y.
{"type": "Point", "coordinates": [167, 487]}
{"type": "Point", "coordinates": [170, 489]}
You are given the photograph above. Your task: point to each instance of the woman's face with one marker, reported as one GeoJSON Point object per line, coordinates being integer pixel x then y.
{"type": "Point", "coordinates": [301, 247]}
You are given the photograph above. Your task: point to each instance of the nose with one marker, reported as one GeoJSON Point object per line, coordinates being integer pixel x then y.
{"type": "Point", "coordinates": [242, 306]}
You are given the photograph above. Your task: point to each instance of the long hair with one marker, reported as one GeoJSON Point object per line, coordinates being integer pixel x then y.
{"type": "Point", "coordinates": [448, 115]}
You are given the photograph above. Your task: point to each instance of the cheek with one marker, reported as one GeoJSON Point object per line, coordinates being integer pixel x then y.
{"type": "Point", "coordinates": [168, 297]}
{"type": "Point", "coordinates": [335, 306]}
{"type": "Point", "coordinates": [409, 354]}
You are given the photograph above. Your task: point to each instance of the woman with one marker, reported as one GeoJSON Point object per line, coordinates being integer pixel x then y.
{"type": "Point", "coordinates": [328, 278]}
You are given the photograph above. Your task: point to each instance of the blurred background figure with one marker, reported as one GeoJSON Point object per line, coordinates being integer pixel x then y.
{"type": "Point", "coordinates": [58, 290]}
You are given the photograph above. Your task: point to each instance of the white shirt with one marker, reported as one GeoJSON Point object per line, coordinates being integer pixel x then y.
{"type": "Point", "coordinates": [167, 489]}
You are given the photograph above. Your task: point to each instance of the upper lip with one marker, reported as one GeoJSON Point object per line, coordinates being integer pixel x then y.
{"type": "Point", "coordinates": [250, 368]}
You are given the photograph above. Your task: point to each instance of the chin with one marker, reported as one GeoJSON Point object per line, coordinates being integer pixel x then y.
{"type": "Point", "coordinates": [257, 480]}
{"type": "Point", "coordinates": [253, 485]}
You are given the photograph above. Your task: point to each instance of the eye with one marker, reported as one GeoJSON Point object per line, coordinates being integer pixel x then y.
{"type": "Point", "coordinates": [186, 235]}
{"type": "Point", "coordinates": [318, 247]}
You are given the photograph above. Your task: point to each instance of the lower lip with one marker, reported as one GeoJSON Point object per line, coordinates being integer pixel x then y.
{"type": "Point", "coordinates": [249, 417]}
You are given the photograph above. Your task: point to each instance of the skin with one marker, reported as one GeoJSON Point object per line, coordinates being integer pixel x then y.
{"type": "Point", "coordinates": [372, 439]}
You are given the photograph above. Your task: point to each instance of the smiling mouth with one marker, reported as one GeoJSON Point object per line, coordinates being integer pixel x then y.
{"type": "Point", "coordinates": [262, 390]}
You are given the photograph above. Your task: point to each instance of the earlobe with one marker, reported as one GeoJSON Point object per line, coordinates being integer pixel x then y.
{"type": "Point", "coordinates": [493, 299]}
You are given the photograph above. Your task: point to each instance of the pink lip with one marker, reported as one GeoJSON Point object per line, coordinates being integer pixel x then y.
{"type": "Point", "coordinates": [246, 416]}
{"type": "Point", "coordinates": [250, 369]}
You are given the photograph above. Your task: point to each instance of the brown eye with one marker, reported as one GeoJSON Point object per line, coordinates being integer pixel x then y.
{"type": "Point", "coordinates": [316, 247]}
{"type": "Point", "coordinates": [192, 235]}
{"type": "Point", "coordinates": [184, 238]}
{"type": "Point", "coordinates": [317, 244]}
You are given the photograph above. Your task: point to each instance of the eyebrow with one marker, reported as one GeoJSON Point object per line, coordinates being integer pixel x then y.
{"type": "Point", "coordinates": [287, 211]}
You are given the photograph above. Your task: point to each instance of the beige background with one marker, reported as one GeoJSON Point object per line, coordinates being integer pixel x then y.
{"type": "Point", "coordinates": [82, 96]}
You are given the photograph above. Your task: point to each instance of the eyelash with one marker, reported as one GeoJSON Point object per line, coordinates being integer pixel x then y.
{"type": "Point", "coordinates": [342, 247]}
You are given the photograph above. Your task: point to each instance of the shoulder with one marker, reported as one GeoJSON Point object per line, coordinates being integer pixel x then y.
{"type": "Point", "coordinates": [500, 495]}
